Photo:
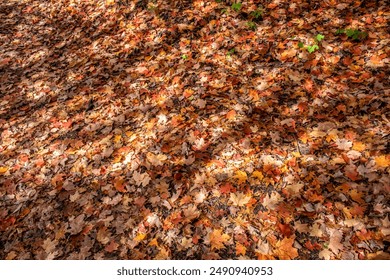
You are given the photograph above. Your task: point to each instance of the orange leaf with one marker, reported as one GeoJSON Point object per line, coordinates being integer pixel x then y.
{"type": "Point", "coordinates": [188, 92]}
{"type": "Point", "coordinates": [67, 124]}
{"type": "Point", "coordinates": [356, 196]}
{"type": "Point", "coordinates": [358, 146]}
{"type": "Point", "coordinates": [231, 114]}
{"type": "Point", "coordinates": [240, 249]}
{"type": "Point", "coordinates": [351, 173]}
{"type": "Point", "coordinates": [285, 250]}
{"type": "Point", "coordinates": [140, 237]}
{"type": "Point", "coordinates": [119, 184]}
{"type": "Point", "coordinates": [3, 169]}
{"type": "Point", "coordinates": [285, 229]}
{"type": "Point", "coordinates": [226, 188]}
{"type": "Point", "coordinates": [216, 239]}
{"type": "Point", "coordinates": [376, 60]}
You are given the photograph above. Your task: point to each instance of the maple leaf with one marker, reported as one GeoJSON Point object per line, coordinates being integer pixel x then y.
{"type": "Point", "coordinates": [119, 184]}
{"type": "Point", "coordinates": [140, 237]}
{"type": "Point", "coordinates": [226, 188]}
{"type": "Point", "coordinates": [285, 250]}
{"type": "Point", "coordinates": [258, 175]}
{"type": "Point", "coordinates": [241, 176]}
{"type": "Point", "coordinates": [216, 239]}
{"type": "Point", "coordinates": [240, 249]}
{"type": "Point", "coordinates": [190, 213]}
{"type": "Point", "coordinates": [231, 115]}
{"type": "Point", "coordinates": [239, 199]}
{"type": "Point", "coordinates": [343, 144]}
{"type": "Point", "coordinates": [382, 161]}
{"type": "Point", "coordinates": [156, 160]}
{"type": "Point", "coordinates": [271, 201]}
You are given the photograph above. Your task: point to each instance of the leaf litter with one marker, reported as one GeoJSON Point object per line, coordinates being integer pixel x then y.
{"type": "Point", "coordinates": [172, 130]}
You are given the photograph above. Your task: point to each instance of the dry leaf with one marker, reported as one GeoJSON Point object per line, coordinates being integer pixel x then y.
{"type": "Point", "coordinates": [217, 239]}
{"type": "Point", "coordinates": [239, 199]}
{"type": "Point", "coordinates": [285, 250]}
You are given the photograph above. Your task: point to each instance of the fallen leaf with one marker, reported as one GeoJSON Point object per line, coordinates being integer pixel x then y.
{"type": "Point", "coordinates": [239, 199]}
{"type": "Point", "coordinates": [285, 249]}
{"type": "Point", "coordinates": [217, 239]}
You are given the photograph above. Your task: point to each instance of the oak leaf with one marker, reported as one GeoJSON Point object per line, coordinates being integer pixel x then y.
{"type": "Point", "coordinates": [241, 176]}
{"type": "Point", "coordinates": [141, 178]}
{"type": "Point", "coordinates": [240, 249]}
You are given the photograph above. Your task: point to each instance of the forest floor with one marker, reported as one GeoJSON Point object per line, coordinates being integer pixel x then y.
{"type": "Point", "coordinates": [194, 129]}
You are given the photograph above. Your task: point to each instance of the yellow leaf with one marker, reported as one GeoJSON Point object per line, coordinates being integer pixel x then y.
{"type": "Point", "coordinates": [3, 169]}
{"type": "Point", "coordinates": [117, 138]}
{"type": "Point", "coordinates": [140, 237]}
{"type": "Point", "coordinates": [258, 175]}
{"type": "Point", "coordinates": [240, 249]}
{"type": "Point", "coordinates": [154, 242]}
{"type": "Point", "coordinates": [358, 146]}
{"type": "Point", "coordinates": [332, 135]}
{"type": "Point", "coordinates": [241, 176]}
{"type": "Point", "coordinates": [231, 115]}
{"type": "Point", "coordinates": [382, 161]}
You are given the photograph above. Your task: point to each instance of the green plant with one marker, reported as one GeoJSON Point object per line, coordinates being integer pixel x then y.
{"type": "Point", "coordinates": [319, 37]}
{"type": "Point", "coordinates": [354, 34]}
{"type": "Point", "coordinates": [251, 25]}
{"type": "Point", "coordinates": [231, 52]}
{"type": "Point", "coordinates": [258, 13]}
{"type": "Point", "coordinates": [314, 47]}
{"type": "Point", "coordinates": [236, 6]}
{"type": "Point", "coordinates": [184, 56]}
